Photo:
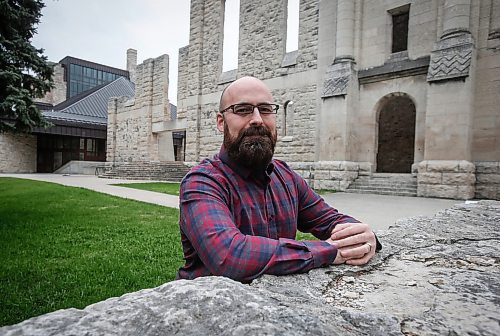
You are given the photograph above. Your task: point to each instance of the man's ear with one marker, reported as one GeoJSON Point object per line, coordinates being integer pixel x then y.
{"type": "Point", "coordinates": [220, 122]}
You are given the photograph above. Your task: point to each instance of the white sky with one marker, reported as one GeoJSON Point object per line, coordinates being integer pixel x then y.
{"type": "Point", "coordinates": [101, 31]}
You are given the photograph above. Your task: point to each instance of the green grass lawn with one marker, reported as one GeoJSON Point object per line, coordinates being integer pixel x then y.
{"type": "Point", "coordinates": [170, 188]}
{"type": "Point", "coordinates": [69, 247]}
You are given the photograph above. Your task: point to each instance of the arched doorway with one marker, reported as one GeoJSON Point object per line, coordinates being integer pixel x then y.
{"type": "Point", "coordinates": [396, 134]}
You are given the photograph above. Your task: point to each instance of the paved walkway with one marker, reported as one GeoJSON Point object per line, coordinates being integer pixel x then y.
{"type": "Point", "coordinates": [378, 210]}
{"type": "Point", "coordinates": [105, 186]}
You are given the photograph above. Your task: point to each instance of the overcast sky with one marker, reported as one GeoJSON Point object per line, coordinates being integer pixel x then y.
{"type": "Point", "coordinates": [102, 31]}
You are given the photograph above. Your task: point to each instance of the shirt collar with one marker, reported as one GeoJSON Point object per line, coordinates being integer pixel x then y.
{"type": "Point", "coordinates": [243, 171]}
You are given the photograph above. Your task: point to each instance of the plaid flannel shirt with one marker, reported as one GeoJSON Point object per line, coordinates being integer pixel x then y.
{"type": "Point", "coordinates": [237, 224]}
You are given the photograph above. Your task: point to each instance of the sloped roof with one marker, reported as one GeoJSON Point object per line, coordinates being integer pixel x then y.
{"type": "Point", "coordinates": [91, 106]}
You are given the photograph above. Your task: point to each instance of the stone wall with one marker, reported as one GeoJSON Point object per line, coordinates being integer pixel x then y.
{"type": "Point", "coordinates": [487, 180]}
{"type": "Point", "coordinates": [17, 153]}
{"type": "Point", "coordinates": [261, 54]}
{"type": "Point", "coordinates": [58, 93]}
{"type": "Point", "coordinates": [344, 72]}
{"type": "Point", "coordinates": [131, 121]}
{"type": "Point", "coordinates": [446, 179]}
{"type": "Point", "coordinates": [429, 279]}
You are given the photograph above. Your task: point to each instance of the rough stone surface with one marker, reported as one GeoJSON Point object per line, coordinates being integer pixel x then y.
{"type": "Point", "coordinates": [436, 275]}
{"type": "Point", "coordinates": [488, 180]}
{"type": "Point", "coordinates": [17, 153]}
{"type": "Point", "coordinates": [446, 179]}
{"type": "Point", "coordinates": [130, 135]}
{"type": "Point", "coordinates": [451, 58]}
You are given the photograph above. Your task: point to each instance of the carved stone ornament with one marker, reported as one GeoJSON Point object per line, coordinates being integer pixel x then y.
{"type": "Point", "coordinates": [337, 79]}
{"type": "Point", "coordinates": [451, 57]}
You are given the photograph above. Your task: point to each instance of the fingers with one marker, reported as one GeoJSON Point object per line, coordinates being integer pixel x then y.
{"type": "Point", "coordinates": [356, 239]}
{"type": "Point", "coordinates": [355, 251]}
{"type": "Point", "coordinates": [349, 229]}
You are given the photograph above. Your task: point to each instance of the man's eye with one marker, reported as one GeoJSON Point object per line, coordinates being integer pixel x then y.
{"type": "Point", "coordinates": [243, 109]}
{"type": "Point", "coordinates": [266, 109]}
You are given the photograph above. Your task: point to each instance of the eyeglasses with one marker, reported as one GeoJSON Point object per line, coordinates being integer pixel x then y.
{"type": "Point", "coordinates": [246, 109]}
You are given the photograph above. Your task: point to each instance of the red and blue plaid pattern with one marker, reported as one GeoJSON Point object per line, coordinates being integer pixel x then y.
{"type": "Point", "coordinates": [237, 224]}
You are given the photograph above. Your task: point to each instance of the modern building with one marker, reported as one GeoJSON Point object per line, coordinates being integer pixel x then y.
{"type": "Point", "coordinates": [395, 86]}
{"type": "Point", "coordinates": [78, 109]}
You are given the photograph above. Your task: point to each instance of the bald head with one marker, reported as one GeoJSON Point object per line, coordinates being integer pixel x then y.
{"type": "Point", "coordinates": [243, 90]}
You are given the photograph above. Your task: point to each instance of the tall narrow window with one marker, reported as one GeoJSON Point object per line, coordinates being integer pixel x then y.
{"type": "Point", "coordinates": [292, 26]}
{"type": "Point", "coordinates": [287, 125]}
{"type": "Point", "coordinates": [400, 31]}
{"type": "Point", "coordinates": [231, 35]}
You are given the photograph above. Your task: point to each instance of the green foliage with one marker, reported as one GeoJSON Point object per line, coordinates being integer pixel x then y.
{"type": "Point", "coordinates": [67, 247]}
{"type": "Point", "coordinates": [24, 71]}
{"type": "Point", "coordinates": [170, 188]}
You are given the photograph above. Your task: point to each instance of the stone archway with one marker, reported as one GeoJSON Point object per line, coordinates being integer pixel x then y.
{"type": "Point", "coordinates": [396, 134]}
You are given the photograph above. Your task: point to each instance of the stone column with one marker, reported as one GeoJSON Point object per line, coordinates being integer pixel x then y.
{"type": "Point", "coordinates": [344, 38]}
{"type": "Point", "coordinates": [111, 131]}
{"type": "Point", "coordinates": [449, 114]}
{"type": "Point", "coordinates": [456, 16]}
{"type": "Point", "coordinates": [339, 97]}
{"type": "Point", "coordinates": [131, 63]}
{"type": "Point", "coordinates": [494, 32]}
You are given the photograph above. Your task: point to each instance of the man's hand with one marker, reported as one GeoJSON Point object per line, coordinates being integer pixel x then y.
{"type": "Point", "coordinates": [355, 243]}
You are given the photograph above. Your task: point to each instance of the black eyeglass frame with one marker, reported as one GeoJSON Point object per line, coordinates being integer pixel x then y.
{"type": "Point", "coordinates": [275, 108]}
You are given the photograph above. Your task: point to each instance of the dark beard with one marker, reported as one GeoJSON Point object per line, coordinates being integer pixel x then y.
{"type": "Point", "coordinates": [253, 148]}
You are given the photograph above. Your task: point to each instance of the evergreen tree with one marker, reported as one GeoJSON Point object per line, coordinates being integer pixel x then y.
{"type": "Point", "coordinates": [24, 71]}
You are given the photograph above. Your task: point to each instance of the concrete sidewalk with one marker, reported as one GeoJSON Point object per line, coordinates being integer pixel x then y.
{"type": "Point", "coordinates": [104, 185]}
{"type": "Point", "coordinates": [377, 210]}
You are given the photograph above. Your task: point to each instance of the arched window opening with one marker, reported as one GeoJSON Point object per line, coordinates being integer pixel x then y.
{"type": "Point", "coordinates": [287, 125]}
{"type": "Point", "coordinates": [231, 35]}
{"type": "Point", "coordinates": [292, 26]}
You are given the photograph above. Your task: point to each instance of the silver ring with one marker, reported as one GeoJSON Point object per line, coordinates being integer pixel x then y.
{"type": "Point", "coordinates": [370, 247]}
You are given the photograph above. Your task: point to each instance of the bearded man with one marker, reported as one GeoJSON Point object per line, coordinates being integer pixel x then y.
{"type": "Point", "coordinates": [240, 210]}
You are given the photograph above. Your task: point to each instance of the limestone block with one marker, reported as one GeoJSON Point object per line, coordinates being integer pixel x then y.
{"type": "Point", "coordinates": [337, 175]}
{"type": "Point", "coordinates": [300, 165]}
{"type": "Point", "coordinates": [349, 165]}
{"type": "Point", "coordinates": [488, 192]}
{"type": "Point", "coordinates": [458, 179]}
{"type": "Point", "coordinates": [332, 165]}
{"type": "Point", "coordinates": [344, 184]}
{"type": "Point", "coordinates": [465, 192]}
{"type": "Point", "coordinates": [440, 165]}
{"type": "Point", "coordinates": [488, 178]}
{"type": "Point", "coordinates": [441, 191]}
{"type": "Point", "coordinates": [487, 167]}
{"type": "Point", "coordinates": [327, 185]}
{"type": "Point", "coordinates": [466, 167]}
{"type": "Point", "coordinates": [322, 175]}
{"type": "Point", "coordinates": [429, 178]}
{"type": "Point", "coordinates": [365, 168]}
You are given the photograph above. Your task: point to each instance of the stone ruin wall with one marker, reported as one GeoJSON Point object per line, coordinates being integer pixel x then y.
{"type": "Point", "coordinates": [261, 54]}
{"type": "Point", "coordinates": [17, 153]}
{"type": "Point", "coordinates": [58, 93]}
{"type": "Point", "coordinates": [300, 77]}
{"type": "Point", "coordinates": [130, 121]}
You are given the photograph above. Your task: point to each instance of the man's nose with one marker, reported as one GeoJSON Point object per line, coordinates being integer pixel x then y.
{"type": "Point", "coordinates": [256, 117]}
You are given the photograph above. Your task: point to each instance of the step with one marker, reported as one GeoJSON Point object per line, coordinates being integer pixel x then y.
{"type": "Point", "coordinates": [390, 193]}
{"type": "Point", "coordinates": [383, 189]}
